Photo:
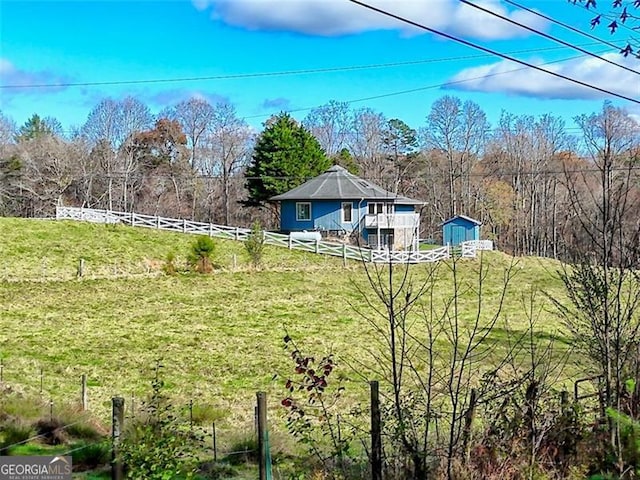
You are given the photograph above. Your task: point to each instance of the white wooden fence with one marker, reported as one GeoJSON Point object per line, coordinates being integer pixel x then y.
{"type": "Point", "coordinates": [468, 250]}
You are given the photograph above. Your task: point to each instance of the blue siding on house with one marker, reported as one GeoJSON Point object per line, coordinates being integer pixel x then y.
{"type": "Point", "coordinates": [325, 215]}
{"type": "Point", "coordinates": [459, 229]}
{"type": "Point", "coordinates": [288, 220]}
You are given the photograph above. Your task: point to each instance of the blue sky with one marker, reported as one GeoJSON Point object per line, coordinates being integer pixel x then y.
{"type": "Point", "coordinates": [55, 42]}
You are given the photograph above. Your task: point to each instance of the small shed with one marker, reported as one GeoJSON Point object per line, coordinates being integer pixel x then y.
{"type": "Point", "coordinates": [460, 229]}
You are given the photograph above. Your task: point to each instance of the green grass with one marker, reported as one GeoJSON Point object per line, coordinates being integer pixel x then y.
{"type": "Point", "coordinates": [218, 336]}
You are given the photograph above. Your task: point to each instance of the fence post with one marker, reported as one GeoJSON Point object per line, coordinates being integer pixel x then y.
{"type": "Point", "coordinates": [376, 432]}
{"type": "Point", "coordinates": [215, 447]}
{"type": "Point", "coordinates": [85, 402]}
{"type": "Point", "coordinates": [80, 267]}
{"type": "Point", "coordinates": [344, 254]}
{"type": "Point", "coordinates": [564, 400]}
{"type": "Point", "coordinates": [117, 426]}
{"type": "Point", "coordinates": [263, 445]}
{"type": "Point", "coordinates": [290, 245]}
{"type": "Point", "coordinates": [184, 226]}
{"type": "Point", "coordinates": [317, 246]}
{"type": "Point", "coordinates": [468, 421]}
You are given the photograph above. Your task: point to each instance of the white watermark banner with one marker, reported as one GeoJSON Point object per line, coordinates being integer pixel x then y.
{"type": "Point", "coordinates": [35, 468]}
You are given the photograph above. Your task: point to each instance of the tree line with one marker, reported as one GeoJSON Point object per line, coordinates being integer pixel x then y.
{"type": "Point", "coordinates": [521, 177]}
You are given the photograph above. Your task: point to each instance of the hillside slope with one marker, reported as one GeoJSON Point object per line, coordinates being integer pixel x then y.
{"type": "Point", "coordinates": [219, 336]}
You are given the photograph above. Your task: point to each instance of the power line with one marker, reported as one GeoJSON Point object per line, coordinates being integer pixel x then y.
{"type": "Point", "coordinates": [547, 36]}
{"type": "Point", "coordinates": [493, 52]}
{"type": "Point", "coordinates": [418, 89]}
{"type": "Point", "coordinates": [412, 90]}
{"type": "Point", "coordinates": [267, 74]}
{"type": "Point", "coordinates": [497, 173]}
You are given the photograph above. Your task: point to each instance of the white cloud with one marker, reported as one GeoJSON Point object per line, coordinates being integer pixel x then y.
{"type": "Point", "coordinates": [511, 78]}
{"type": "Point", "coordinates": [341, 17]}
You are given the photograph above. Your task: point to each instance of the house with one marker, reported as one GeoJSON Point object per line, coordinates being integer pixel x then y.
{"type": "Point", "coordinates": [338, 203]}
{"type": "Point", "coordinates": [460, 229]}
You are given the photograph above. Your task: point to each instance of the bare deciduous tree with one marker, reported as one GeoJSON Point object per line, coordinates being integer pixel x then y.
{"type": "Point", "coordinates": [196, 116]}
{"type": "Point", "coordinates": [330, 125]}
{"type": "Point", "coordinates": [602, 281]}
{"type": "Point", "coordinates": [459, 131]}
{"type": "Point", "coordinates": [228, 150]}
{"type": "Point", "coordinates": [367, 145]}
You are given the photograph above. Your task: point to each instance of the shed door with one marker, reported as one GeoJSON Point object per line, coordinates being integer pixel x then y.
{"type": "Point", "coordinates": [458, 234]}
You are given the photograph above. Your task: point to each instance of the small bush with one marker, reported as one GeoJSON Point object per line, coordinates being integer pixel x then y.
{"type": "Point", "coordinates": [243, 450]}
{"type": "Point", "coordinates": [157, 445]}
{"type": "Point", "coordinates": [15, 405]}
{"type": "Point", "coordinates": [84, 431]}
{"type": "Point", "coordinates": [169, 267]}
{"type": "Point", "coordinates": [200, 256]}
{"type": "Point", "coordinates": [81, 426]}
{"type": "Point", "coordinates": [89, 456]}
{"type": "Point", "coordinates": [204, 414]}
{"type": "Point", "coordinates": [255, 244]}
{"type": "Point", "coordinates": [217, 470]}
{"type": "Point", "coordinates": [51, 431]}
{"type": "Point", "coordinates": [14, 433]}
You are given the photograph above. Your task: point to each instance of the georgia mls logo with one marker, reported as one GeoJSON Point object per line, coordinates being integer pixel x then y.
{"type": "Point", "coordinates": [35, 468]}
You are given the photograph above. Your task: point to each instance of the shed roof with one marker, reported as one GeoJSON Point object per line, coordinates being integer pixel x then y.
{"type": "Point", "coordinates": [463, 217]}
{"type": "Point", "coordinates": [339, 184]}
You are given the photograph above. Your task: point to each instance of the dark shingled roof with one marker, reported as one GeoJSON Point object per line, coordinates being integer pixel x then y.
{"type": "Point", "coordinates": [338, 184]}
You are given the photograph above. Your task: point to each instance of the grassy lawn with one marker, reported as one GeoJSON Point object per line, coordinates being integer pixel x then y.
{"type": "Point", "coordinates": [219, 336]}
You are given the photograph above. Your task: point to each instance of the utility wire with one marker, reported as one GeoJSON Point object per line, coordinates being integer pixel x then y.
{"type": "Point", "coordinates": [562, 24]}
{"type": "Point", "coordinates": [419, 89]}
{"type": "Point", "coordinates": [492, 173]}
{"type": "Point", "coordinates": [492, 52]}
{"type": "Point", "coordinates": [267, 74]}
{"type": "Point", "coordinates": [547, 36]}
{"type": "Point", "coordinates": [411, 90]}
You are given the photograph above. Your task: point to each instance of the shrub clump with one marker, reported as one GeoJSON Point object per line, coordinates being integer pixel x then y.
{"type": "Point", "coordinates": [14, 433]}
{"type": "Point", "coordinates": [255, 244]}
{"type": "Point", "coordinates": [158, 445]}
{"type": "Point", "coordinates": [201, 252]}
{"type": "Point", "coordinates": [51, 431]}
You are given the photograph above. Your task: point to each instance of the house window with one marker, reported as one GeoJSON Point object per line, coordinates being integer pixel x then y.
{"type": "Point", "coordinates": [303, 211]}
{"type": "Point", "coordinates": [376, 208]}
{"type": "Point", "coordinates": [347, 210]}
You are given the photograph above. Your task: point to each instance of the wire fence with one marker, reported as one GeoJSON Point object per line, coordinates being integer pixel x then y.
{"type": "Point", "coordinates": [51, 412]}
